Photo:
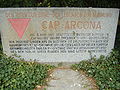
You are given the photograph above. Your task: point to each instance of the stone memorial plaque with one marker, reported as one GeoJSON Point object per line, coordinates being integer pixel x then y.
{"type": "Point", "coordinates": [58, 34]}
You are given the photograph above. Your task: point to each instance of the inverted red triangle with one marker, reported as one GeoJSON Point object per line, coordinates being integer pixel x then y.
{"type": "Point", "coordinates": [19, 25]}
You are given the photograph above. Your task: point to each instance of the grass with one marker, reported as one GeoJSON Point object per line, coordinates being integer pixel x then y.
{"type": "Point", "coordinates": [105, 70]}
{"type": "Point", "coordinates": [21, 75]}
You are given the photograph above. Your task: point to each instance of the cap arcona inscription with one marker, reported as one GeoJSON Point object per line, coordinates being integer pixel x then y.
{"type": "Point", "coordinates": [58, 34]}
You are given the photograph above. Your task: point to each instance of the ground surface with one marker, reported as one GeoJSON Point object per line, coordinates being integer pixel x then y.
{"type": "Point", "coordinates": [68, 79]}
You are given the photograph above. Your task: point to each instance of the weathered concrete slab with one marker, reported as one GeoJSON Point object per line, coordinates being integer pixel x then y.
{"type": "Point", "coordinates": [67, 79]}
{"type": "Point", "coordinates": [58, 34]}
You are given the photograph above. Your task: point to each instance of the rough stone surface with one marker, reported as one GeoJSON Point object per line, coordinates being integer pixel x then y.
{"type": "Point", "coordinates": [67, 79]}
{"type": "Point", "coordinates": [58, 34]}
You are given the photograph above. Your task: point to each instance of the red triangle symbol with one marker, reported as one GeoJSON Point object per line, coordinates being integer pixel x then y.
{"type": "Point", "coordinates": [19, 25]}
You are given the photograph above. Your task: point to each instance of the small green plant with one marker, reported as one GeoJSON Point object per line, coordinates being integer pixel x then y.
{"type": "Point", "coordinates": [0, 48]}
{"type": "Point", "coordinates": [21, 75]}
{"type": "Point", "coordinates": [44, 88]}
{"type": "Point", "coordinates": [60, 64]}
{"type": "Point", "coordinates": [105, 70]}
